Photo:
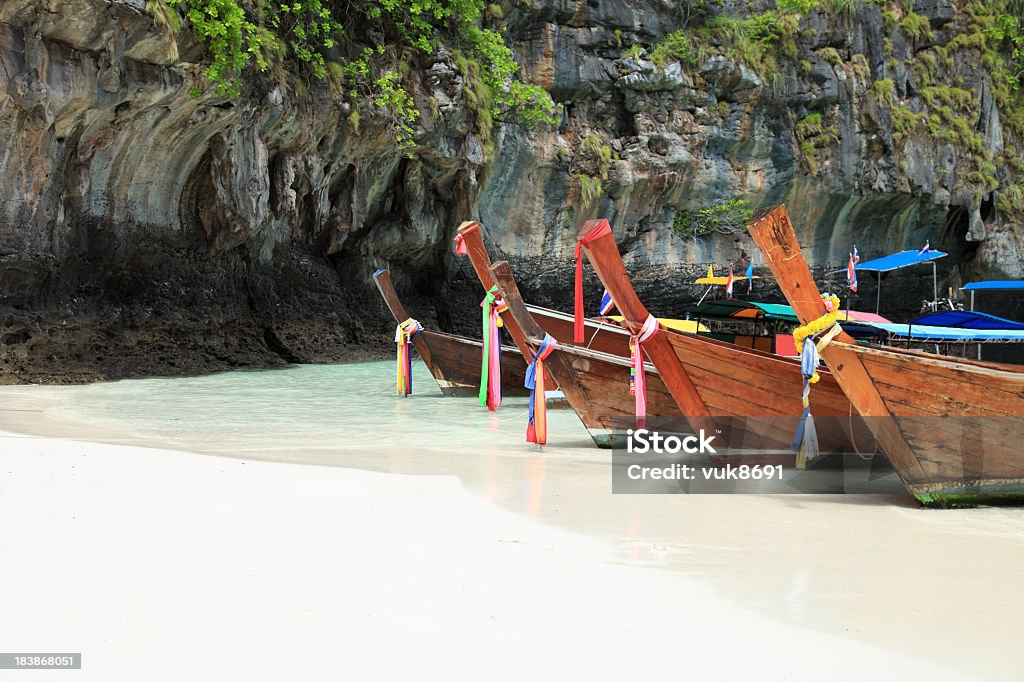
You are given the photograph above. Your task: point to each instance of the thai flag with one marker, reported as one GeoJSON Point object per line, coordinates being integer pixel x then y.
{"type": "Point", "coordinates": [926, 248]}
{"type": "Point", "coordinates": [728, 285]}
{"type": "Point", "coordinates": [606, 303]}
{"type": "Point", "coordinates": [851, 271]}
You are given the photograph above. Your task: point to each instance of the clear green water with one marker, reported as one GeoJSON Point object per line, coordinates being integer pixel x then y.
{"type": "Point", "coordinates": [305, 413]}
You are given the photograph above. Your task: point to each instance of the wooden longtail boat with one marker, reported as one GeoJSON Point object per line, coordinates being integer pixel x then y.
{"type": "Point", "coordinates": [599, 336]}
{"type": "Point", "coordinates": [595, 384]}
{"type": "Point", "coordinates": [593, 379]}
{"type": "Point", "coordinates": [719, 380]}
{"type": "Point", "coordinates": [952, 429]}
{"type": "Point", "coordinates": [454, 360]}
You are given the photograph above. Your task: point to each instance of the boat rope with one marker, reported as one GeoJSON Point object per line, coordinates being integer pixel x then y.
{"type": "Point", "coordinates": [853, 440]}
{"type": "Point", "coordinates": [490, 366]}
{"type": "Point", "coordinates": [537, 424]}
{"type": "Point", "coordinates": [404, 333]}
{"type": "Point", "coordinates": [460, 240]}
{"type": "Point", "coordinates": [601, 231]}
{"type": "Point", "coordinates": [825, 328]}
{"type": "Point", "coordinates": [637, 380]}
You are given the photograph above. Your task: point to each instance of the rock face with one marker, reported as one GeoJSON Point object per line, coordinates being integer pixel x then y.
{"type": "Point", "coordinates": [143, 230]}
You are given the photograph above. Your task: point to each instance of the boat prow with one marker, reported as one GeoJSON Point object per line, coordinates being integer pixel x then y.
{"type": "Point", "coordinates": [951, 428]}
{"type": "Point", "coordinates": [454, 361]}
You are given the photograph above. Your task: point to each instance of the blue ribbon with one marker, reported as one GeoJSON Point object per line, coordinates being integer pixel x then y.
{"type": "Point", "coordinates": [808, 366]}
{"type": "Point", "coordinates": [531, 370]}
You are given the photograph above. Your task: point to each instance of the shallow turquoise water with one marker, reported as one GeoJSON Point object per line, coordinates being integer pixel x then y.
{"type": "Point", "coordinates": [310, 408]}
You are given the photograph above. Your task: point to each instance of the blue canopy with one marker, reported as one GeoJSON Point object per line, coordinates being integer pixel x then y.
{"type": "Point", "coordinates": [995, 284]}
{"type": "Point", "coordinates": [899, 260]}
{"type": "Point", "coordinates": [967, 319]}
{"type": "Point", "coordinates": [947, 334]}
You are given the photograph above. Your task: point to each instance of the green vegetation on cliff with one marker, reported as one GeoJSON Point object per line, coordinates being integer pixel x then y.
{"type": "Point", "coordinates": [365, 48]}
{"type": "Point", "coordinates": [724, 217]}
{"type": "Point", "coordinates": [935, 87]}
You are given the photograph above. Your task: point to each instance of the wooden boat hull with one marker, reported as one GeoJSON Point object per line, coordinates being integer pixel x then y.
{"type": "Point", "coordinates": [595, 384]}
{"type": "Point", "coordinates": [952, 429]}
{"type": "Point", "coordinates": [603, 381]}
{"type": "Point", "coordinates": [755, 392]}
{"type": "Point", "coordinates": [457, 360]}
{"type": "Point", "coordinates": [594, 380]}
{"type": "Point", "coordinates": [763, 391]}
{"type": "Point", "coordinates": [603, 337]}
{"type": "Point", "coordinates": [454, 361]}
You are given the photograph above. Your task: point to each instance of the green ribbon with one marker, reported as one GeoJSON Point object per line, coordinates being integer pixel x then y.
{"type": "Point", "coordinates": [486, 306]}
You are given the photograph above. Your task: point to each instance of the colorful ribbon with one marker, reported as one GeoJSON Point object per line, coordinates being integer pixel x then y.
{"type": "Point", "coordinates": [637, 380]}
{"type": "Point", "coordinates": [490, 366]}
{"type": "Point", "coordinates": [537, 427]}
{"type": "Point", "coordinates": [460, 239]}
{"type": "Point", "coordinates": [403, 335]}
{"type": "Point", "coordinates": [602, 229]}
{"type": "Point", "coordinates": [805, 440]}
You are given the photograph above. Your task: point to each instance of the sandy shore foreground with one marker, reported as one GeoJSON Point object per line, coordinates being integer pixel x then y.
{"type": "Point", "coordinates": [163, 565]}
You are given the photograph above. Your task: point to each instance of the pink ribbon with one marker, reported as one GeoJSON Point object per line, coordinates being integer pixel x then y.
{"type": "Point", "coordinates": [638, 382]}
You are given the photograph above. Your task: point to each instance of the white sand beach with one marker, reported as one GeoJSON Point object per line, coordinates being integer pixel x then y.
{"type": "Point", "coordinates": [168, 564]}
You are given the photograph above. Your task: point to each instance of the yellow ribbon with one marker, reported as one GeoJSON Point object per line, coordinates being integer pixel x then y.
{"type": "Point", "coordinates": [818, 325]}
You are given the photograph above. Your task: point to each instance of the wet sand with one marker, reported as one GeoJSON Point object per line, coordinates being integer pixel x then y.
{"type": "Point", "coordinates": [433, 542]}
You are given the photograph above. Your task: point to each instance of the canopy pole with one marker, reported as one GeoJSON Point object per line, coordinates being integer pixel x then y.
{"type": "Point", "coordinates": [972, 299]}
{"type": "Point", "coordinates": [878, 293]}
{"type": "Point", "coordinates": [935, 284]}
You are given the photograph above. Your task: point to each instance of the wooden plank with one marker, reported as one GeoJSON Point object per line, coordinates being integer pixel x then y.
{"type": "Point", "coordinates": [930, 398]}
{"type": "Point", "coordinates": [996, 391]}
{"type": "Point", "coordinates": [757, 380]}
{"type": "Point", "coordinates": [978, 449]}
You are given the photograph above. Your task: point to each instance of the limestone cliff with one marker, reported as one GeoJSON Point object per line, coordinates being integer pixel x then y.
{"type": "Point", "coordinates": [145, 230]}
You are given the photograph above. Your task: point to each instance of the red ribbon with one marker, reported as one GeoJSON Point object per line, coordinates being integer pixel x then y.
{"type": "Point", "coordinates": [460, 240]}
{"type": "Point", "coordinates": [602, 229]}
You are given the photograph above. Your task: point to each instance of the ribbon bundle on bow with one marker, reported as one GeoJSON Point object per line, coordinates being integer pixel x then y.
{"type": "Point", "coordinates": [805, 441]}
{"type": "Point", "coordinates": [460, 239]}
{"type": "Point", "coordinates": [637, 379]}
{"type": "Point", "coordinates": [601, 230]}
{"type": "Point", "coordinates": [403, 335]}
{"type": "Point", "coordinates": [490, 366]}
{"type": "Point", "coordinates": [537, 428]}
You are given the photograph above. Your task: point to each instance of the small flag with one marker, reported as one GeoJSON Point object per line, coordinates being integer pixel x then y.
{"type": "Point", "coordinates": [926, 248]}
{"type": "Point", "coordinates": [750, 276]}
{"type": "Point", "coordinates": [606, 303]}
{"type": "Point", "coordinates": [728, 284]}
{"type": "Point", "coordinates": [711, 272]}
{"type": "Point", "coordinates": [851, 271]}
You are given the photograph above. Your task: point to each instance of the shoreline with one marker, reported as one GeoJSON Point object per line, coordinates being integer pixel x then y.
{"type": "Point", "coordinates": [45, 373]}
